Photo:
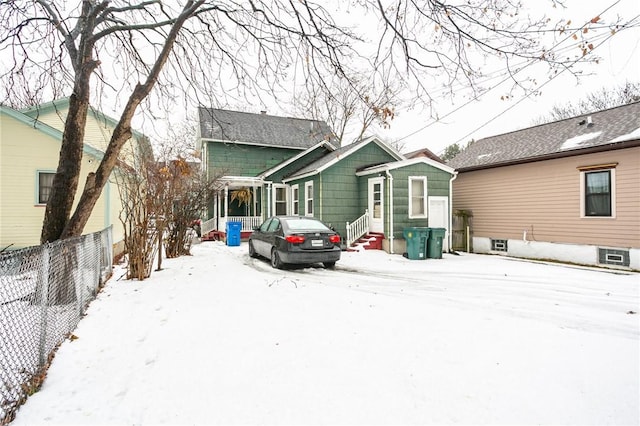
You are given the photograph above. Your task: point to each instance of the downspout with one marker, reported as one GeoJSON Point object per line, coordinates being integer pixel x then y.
{"type": "Point", "coordinates": [455, 175]}
{"type": "Point", "coordinates": [269, 190]}
{"type": "Point", "coordinates": [320, 194]}
{"type": "Point", "coordinates": [390, 183]}
{"type": "Point", "coordinates": [226, 204]}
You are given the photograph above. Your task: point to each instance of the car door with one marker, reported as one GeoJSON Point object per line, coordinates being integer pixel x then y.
{"type": "Point", "coordinates": [271, 235]}
{"type": "Point", "coordinates": [259, 238]}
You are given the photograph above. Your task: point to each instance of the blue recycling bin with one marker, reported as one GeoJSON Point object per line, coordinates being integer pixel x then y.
{"type": "Point", "coordinates": [233, 233]}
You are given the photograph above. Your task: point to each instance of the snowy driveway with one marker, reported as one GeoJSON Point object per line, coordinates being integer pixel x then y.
{"type": "Point", "coordinates": [219, 338]}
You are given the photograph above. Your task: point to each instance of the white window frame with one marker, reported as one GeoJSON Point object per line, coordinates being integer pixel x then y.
{"type": "Point", "coordinates": [423, 181]}
{"type": "Point", "coordinates": [583, 200]}
{"type": "Point", "coordinates": [39, 202]}
{"type": "Point", "coordinates": [307, 199]}
{"type": "Point", "coordinates": [295, 199]}
{"type": "Point", "coordinates": [275, 198]}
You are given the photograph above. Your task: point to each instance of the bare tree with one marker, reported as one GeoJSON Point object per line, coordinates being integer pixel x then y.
{"type": "Point", "coordinates": [352, 106]}
{"type": "Point", "coordinates": [139, 202]}
{"type": "Point", "coordinates": [216, 52]}
{"type": "Point", "coordinates": [594, 101]}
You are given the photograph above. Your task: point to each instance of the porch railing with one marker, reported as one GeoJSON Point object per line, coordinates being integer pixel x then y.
{"type": "Point", "coordinates": [208, 225]}
{"type": "Point", "coordinates": [248, 222]}
{"type": "Point", "coordinates": [357, 228]}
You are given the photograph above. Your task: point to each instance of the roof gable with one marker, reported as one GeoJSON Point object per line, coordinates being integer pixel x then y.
{"type": "Point", "coordinates": [62, 104]}
{"type": "Point", "coordinates": [424, 152]}
{"type": "Point", "coordinates": [262, 129]}
{"type": "Point", "coordinates": [46, 129]}
{"type": "Point", "coordinates": [275, 169]}
{"type": "Point", "coordinates": [340, 154]}
{"type": "Point", "coordinates": [603, 130]}
{"type": "Point", "coordinates": [405, 163]}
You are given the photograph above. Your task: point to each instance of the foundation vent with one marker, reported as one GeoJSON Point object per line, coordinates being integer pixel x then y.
{"type": "Point", "coordinates": [607, 256]}
{"type": "Point", "coordinates": [499, 245]}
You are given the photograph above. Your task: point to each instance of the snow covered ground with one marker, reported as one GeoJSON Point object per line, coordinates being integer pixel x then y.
{"type": "Point", "coordinates": [220, 338]}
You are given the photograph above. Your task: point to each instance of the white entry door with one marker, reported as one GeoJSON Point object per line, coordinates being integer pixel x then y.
{"type": "Point", "coordinates": [439, 217]}
{"type": "Point", "coordinates": [376, 204]}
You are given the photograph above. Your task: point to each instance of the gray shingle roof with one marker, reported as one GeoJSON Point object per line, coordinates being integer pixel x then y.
{"type": "Point", "coordinates": [343, 152]}
{"type": "Point", "coordinates": [262, 129]}
{"type": "Point", "coordinates": [603, 129]}
{"type": "Point", "coordinates": [316, 165]}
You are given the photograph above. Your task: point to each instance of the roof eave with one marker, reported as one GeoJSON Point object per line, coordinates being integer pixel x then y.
{"type": "Point", "coordinates": [279, 166]}
{"type": "Point", "coordinates": [553, 156]}
{"type": "Point", "coordinates": [252, 143]}
{"type": "Point", "coordinates": [405, 163]}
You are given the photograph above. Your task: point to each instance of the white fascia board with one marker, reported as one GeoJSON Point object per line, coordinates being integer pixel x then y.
{"type": "Point", "coordinates": [357, 146]}
{"type": "Point", "coordinates": [46, 129]}
{"type": "Point", "coordinates": [251, 143]}
{"type": "Point", "coordinates": [241, 180]}
{"type": "Point", "coordinates": [296, 157]}
{"type": "Point", "coordinates": [306, 175]}
{"type": "Point", "coordinates": [404, 163]}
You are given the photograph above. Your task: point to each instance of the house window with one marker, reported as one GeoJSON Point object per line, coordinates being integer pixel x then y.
{"type": "Point", "coordinates": [417, 197]}
{"type": "Point", "coordinates": [597, 192]}
{"type": "Point", "coordinates": [45, 182]}
{"type": "Point", "coordinates": [295, 200]}
{"type": "Point", "coordinates": [280, 200]}
{"type": "Point", "coordinates": [308, 192]}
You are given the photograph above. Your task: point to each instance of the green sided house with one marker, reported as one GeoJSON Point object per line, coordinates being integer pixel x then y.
{"type": "Point", "coordinates": [30, 147]}
{"type": "Point", "coordinates": [367, 191]}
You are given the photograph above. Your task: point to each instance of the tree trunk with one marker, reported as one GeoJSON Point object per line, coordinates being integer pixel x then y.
{"type": "Point", "coordinates": [65, 181]}
{"type": "Point", "coordinates": [122, 132]}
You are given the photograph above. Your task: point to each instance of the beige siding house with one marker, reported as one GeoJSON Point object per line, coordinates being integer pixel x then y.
{"type": "Point", "coordinates": [29, 150]}
{"type": "Point", "coordinates": [567, 190]}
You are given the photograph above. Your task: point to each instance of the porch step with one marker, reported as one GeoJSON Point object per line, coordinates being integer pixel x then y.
{"type": "Point", "coordinates": [370, 241]}
{"type": "Point", "coordinates": [213, 236]}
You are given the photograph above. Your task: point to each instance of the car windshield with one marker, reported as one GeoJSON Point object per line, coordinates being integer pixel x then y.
{"type": "Point", "coordinates": [306, 225]}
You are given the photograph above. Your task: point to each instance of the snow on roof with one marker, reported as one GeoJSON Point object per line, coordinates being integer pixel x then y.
{"type": "Point", "coordinates": [576, 141]}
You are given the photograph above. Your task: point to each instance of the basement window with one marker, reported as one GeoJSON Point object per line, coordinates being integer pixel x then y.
{"type": "Point", "coordinates": [607, 256]}
{"type": "Point", "coordinates": [499, 245]}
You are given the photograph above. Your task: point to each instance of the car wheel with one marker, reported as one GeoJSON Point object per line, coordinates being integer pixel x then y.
{"type": "Point", "coordinates": [252, 250]}
{"type": "Point", "coordinates": [329, 265]}
{"type": "Point", "coordinates": [275, 259]}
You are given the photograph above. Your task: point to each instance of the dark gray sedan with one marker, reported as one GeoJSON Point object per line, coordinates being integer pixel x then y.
{"type": "Point", "coordinates": [295, 240]}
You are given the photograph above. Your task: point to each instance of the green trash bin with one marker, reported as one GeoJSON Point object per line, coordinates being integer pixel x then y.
{"type": "Point", "coordinates": [434, 245]}
{"type": "Point", "coordinates": [416, 238]}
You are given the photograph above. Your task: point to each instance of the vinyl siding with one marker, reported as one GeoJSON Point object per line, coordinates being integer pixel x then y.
{"type": "Point", "coordinates": [543, 198]}
{"type": "Point", "coordinates": [244, 160]}
{"type": "Point", "coordinates": [98, 129]}
{"type": "Point", "coordinates": [344, 195]}
{"type": "Point", "coordinates": [297, 165]}
{"type": "Point", "coordinates": [24, 151]}
{"type": "Point", "coordinates": [437, 185]}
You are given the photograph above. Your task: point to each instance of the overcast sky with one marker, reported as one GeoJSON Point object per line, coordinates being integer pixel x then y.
{"type": "Point", "coordinates": [462, 118]}
{"type": "Point", "coordinates": [490, 115]}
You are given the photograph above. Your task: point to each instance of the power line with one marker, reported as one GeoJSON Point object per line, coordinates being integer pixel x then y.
{"type": "Point", "coordinates": [629, 24]}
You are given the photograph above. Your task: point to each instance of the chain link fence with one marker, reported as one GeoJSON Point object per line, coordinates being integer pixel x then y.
{"type": "Point", "coordinates": [44, 291]}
